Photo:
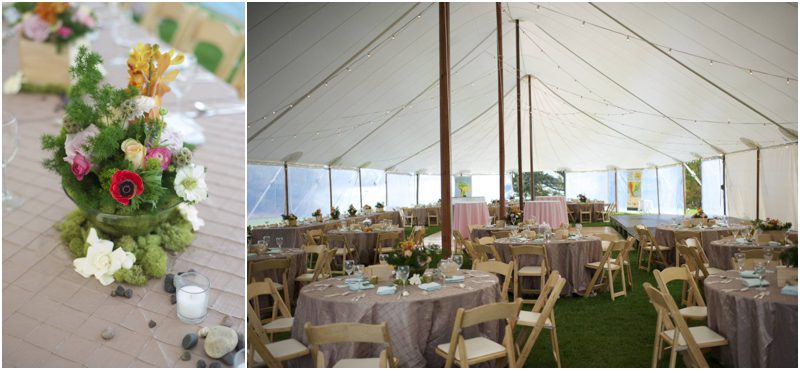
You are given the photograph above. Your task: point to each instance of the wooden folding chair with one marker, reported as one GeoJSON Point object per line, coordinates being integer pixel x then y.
{"type": "Point", "coordinates": [606, 239]}
{"type": "Point", "coordinates": [228, 42]}
{"type": "Point", "coordinates": [345, 250]}
{"type": "Point", "coordinates": [280, 264]}
{"type": "Point", "coordinates": [183, 15]}
{"type": "Point", "coordinates": [501, 234]}
{"type": "Point", "coordinates": [467, 352]}
{"type": "Point", "coordinates": [679, 336]}
{"type": "Point", "coordinates": [522, 270]}
{"type": "Point", "coordinates": [322, 268]}
{"type": "Point", "coordinates": [695, 263]}
{"type": "Point", "coordinates": [313, 252]}
{"type": "Point", "coordinates": [392, 237]}
{"type": "Point", "coordinates": [486, 240]}
{"type": "Point", "coordinates": [498, 268]}
{"type": "Point", "coordinates": [433, 217]}
{"type": "Point", "coordinates": [586, 211]}
{"type": "Point", "coordinates": [648, 244]}
{"type": "Point", "coordinates": [690, 294]}
{"type": "Point", "coordinates": [459, 245]}
{"type": "Point", "coordinates": [273, 353]}
{"type": "Point", "coordinates": [541, 316]}
{"type": "Point", "coordinates": [682, 237]}
{"type": "Point", "coordinates": [351, 333]}
{"type": "Point", "coordinates": [485, 253]}
{"type": "Point", "coordinates": [609, 265]}
{"type": "Point", "coordinates": [382, 271]}
{"type": "Point", "coordinates": [281, 320]}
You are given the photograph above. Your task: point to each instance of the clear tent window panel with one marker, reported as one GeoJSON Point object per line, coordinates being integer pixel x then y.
{"type": "Point", "coordinates": [373, 186]}
{"type": "Point", "coordinates": [430, 189]}
{"type": "Point", "coordinates": [402, 190]}
{"type": "Point", "coordinates": [670, 190]}
{"type": "Point", "coordinates": [265, 193]}
{"type": "Point", "coordinates": [487, 186]}
{"type": "Point", "coordinates": [345, 189]}
{"type": "Point", "coordinates": [308, 190]}
{"type": "Point", "coordinates": [712, 193]}
{"type": "Point", "coordinates": [649, 200]}
{"type": "Point", "coordinates": [740, 183]}
{"type": "Point", "coordinates": [778, 184]}
{"type": "Point", "coordinates": [594, 185]}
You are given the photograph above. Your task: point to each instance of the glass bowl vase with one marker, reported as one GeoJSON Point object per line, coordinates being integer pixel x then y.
{"type": "Point", "coordinates": [118, 225]}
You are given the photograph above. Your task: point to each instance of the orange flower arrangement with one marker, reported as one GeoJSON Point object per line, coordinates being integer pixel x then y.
{"type": "Point", "coordinates": [50, 11]}
{"type": "Point", "coordinates": [147, 66]}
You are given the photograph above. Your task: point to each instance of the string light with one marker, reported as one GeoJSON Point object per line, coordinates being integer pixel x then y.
{"type": "Point", "coordinates": [628, 37]}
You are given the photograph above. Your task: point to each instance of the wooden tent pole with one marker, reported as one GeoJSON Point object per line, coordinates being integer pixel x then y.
{"type": "Point", "coordinates": [530, 133]}
{"type": "Point", "coordinates": [758, 182]}
{"type": "Point", "coordinates": [519, 125]}
{"type": "Point", "coordinates": [444, 125]}
{"type": "Point", "coordinates": [286, 187]}
{"type": "Point", "coordinates": [501, 213]}
{"type": "Point", "coordinates": [330, 186]}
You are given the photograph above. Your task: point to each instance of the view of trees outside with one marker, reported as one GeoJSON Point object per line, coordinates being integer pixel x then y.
{"type": "Point", "coordinates": [544, 182]}
{"type": "Point", "coordinates": [694, 192]}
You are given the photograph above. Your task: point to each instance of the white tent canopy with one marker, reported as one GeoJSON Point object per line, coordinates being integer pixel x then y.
{"type": "Point", "coordinates": [354, 85]}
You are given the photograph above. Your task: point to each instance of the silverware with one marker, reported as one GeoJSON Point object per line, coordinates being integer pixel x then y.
{"type": "Point", "coordinates": [337, 294]}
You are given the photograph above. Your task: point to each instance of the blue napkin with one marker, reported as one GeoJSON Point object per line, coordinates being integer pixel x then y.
{"type": "Point", "coordinates": [430, 286]}
{"type": "Point", "coordinates": [754, 283]}
{"type": "Point", "coordinates": [353, 280]}
{"type": "Point", "coordinates": [386, 290]}
{"type": "Point", "coordinates": [274, 250]}
{"type": "Point", "coordinates": [789, 290]}
{"type": "Point", "coordinates": [748, 274]}
{"type": "Point", "coordinates": [361, 286]}
{"type": "Point", "coordinates": [454, 279]}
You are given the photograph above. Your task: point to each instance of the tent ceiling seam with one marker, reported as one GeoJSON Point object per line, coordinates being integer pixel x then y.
{"type": "Point", "coordinates": [784, 130]}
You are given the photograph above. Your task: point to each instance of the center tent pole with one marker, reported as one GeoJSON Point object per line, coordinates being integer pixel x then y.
{"type": "Point", "coordinates": [519, 126]}
{"type": "Point", "coordinates": [501, 213]}
{"type": "Point", "coordinates": [444, 125]}
{"type": "Point", "coordinates": [530, 133]}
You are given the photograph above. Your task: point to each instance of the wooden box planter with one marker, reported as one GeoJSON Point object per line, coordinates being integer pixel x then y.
{"type": "Point", "coordinates": [43, 66]}
{"type": "Point", "coordinates": [785, 274]}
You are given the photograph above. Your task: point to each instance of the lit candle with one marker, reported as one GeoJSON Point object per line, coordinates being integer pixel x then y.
{"type": "Point", "coordinates": [192, 297]}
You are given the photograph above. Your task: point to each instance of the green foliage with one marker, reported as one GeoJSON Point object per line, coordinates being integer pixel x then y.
{"type": "Point", "coordinates": [127, 243]}
{"type": "Point", "coordinates": [693, 190]}
{"type": "Point", "coordinates": [177, 236]}
{"type": "Point", "coordinates": [28, 87]}
{"type": "Point", "coordinates": [154, 261]}
{"type": "Point", "coordinates": [544, 183]}
{"type": "Point", "coordinates": [789, 257]}
{"type": "Point", "coordinates": [134, 276]}
{"type": "Point", "coordinates": [73, 234]}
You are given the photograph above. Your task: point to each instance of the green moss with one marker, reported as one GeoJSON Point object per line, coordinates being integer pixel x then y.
{"type": "Point", "coordinates": [154, 261]}
{"type": "Point", "coordinates": [177, 236]}
{"type": "Point", "coordinates": [127, 243]}
{"type": "Point", "coordinates": [134, 276]}
{"type": "Point", "coordinates": [73, 233]}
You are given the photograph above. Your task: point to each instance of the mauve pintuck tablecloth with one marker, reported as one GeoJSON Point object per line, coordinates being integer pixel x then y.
{"type": "Point", "coordinates": [293, 235]}
{"type": "Point", "coordinates": [364, 243]}
{"type": "Point", "coordinates": [721, 251]}
{"type": "Point", "coordinates": [465, 214]}
{"type": "Point", "coordinates": [417, 323]}
{"type": "Point", "coordinates": [568, 257]}
{"type": "Point", "coordinates": [297, 267]}
{"type": "Point", "coordinates": [760, 333]}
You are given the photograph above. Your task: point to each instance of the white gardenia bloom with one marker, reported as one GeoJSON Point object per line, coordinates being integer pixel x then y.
{"type": "Point", "coordinates": [13, 84]}
{"type": "Point", "coordinates": [190, 183]}
{"type": "Point", "coordinates": [102, 260]}
{"type": "Point", "coordinates": [189, 213]}
{"type": "Point", "coordinates": [143, 105]}
{"type": "Point", "coordinates": [415, 280]}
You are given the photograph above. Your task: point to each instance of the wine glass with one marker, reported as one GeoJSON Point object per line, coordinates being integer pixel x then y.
{"type": "Point", "coordinates": [279, 241]}
{"type": "Point", "coordinates": [10, 148]}
{"type": "Point", "coordinates": [422, 260]}
{"type": "Point", "coordinates": [578, 228]}
{"type": "Point", "coordinates": [740, 258]}
{"type": "Point", "coordinates": [458, 259]}
{"type": "Point", "coordinates": [768, 254]}
{"type": "Point", "coordinates": [359, 271]}
{"type": "Point", "coordinates": [349, 267]}
{"type": "Point", "coordinates": [265, 240]}
{"type": "Point", "coordinates": [402, 274]}
{"type": "Point", "coordinates": [382, 258]}
{"type": "Point", "coordinates": [735, 233]}
{"type": "Point", "coordinates": [760, 268]}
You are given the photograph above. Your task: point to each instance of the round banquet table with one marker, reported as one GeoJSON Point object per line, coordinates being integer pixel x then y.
{"type": "Point", "coordinates": [596, 208]}
{"type": "Point", "coordinates": [480, 232]}
{"type": "Point", "coordinates": [465, 214]}
{"type": "Point", "coordinates": [665, 234]}
{"type": "Point", "coordinates": [553, 212]}
{"type": "Point", "coordinates": [721, 251]}
{"type": "Point", "coordinates": [760, 332]}
{"type": "Point", "coordinates": [297, 266]}
{"type": "Point", "coordinates": [421, 215]}
{"type": "Point", "coordinates": [363, 242]}
{"type": "Point", "coordinates": [417, 323]}
{"type": "Point", "coordinates": [568, 257]}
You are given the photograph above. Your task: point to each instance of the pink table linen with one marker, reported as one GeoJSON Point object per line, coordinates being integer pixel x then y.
{"type": "Point", "coordinates": [551, 211]}
{"type": "Point", "coordinates": [465, 214]}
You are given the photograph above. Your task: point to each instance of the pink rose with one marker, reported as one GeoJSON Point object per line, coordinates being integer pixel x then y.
{"type": "Point", "coordinates": [80, 167]}
{"type": "Point", "coordinates": [35, 28]}
{"type": "Point", "coordinates": [64, 32]}
{"type": "Point", "coordinates": [162, 154]}
{"type": "Point", "coordinates": [76, 143]}
{"type": "Point", "coordinates": [84, 17]}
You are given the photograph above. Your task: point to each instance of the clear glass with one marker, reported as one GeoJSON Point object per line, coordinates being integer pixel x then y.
{"type": "Point", "coordinates": [430, 189]}
{"type": "Point", "coordinates": [768, 254]}
{"type": "Point", "coordinates": [382, 258]}
{"type": "Point", "coordinates": [735, 233]}
{"type": "Point", "coordinates": [360, 271]}
{"type": "Point", "coordinates": [740, 258]}
{"type": "Point", "coordinates": [308, 190]}
{"type": "Point", "coordinates": [578, 228]}
{"type": "Point", "coordinates": [349, 267]}
{"type": "Point", "coordinates": [373, 186]}
{"type": "Point", "coordinates": [760, 269]}
{"type": "Point", "coordinates": [279, 241]}
{"type": "Point", "coordinates": [402, 274]}
{"type": "Point", "coordinates": [265, 193]}
{"type": "Point", "coordinates": [239, 359]}
{"type": "Point", "coordinates": [192, 290]}
{"type": "Point", "coordinates": [265, 240]}
{"type": "Point", "coordinates": [402, 190]}
{"type": "Point", "coordinates": [10, 149]}
{"type": "Point", "coordinates": [118, 225]}
{"type": "Point", "coordinates": [458, 259]}
{"type": "Point", "coordinates": [345, 189]}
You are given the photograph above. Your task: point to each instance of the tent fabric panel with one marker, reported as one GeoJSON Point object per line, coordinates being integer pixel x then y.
{"type": "Point", "coordinates": [778, 184]}
{"type": "Point", "coordinates": [712, 192]}
{"type": "Point", "coordinates": [740, 183]}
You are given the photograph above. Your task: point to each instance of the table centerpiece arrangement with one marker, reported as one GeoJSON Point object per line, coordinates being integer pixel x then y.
{"type": "Point", "coordinates": [416, 257]}
{"type": "Point", "coordinates": [352, 211]}
{"type": "Point", "coordinates": [773, 227]}
{"type": "Point", "coordinates": [335, 213]}
{"type": "Point", "coordinates": [291, 219]}
{"type": "Point", "coordinates": [317, 215]}
{"type": "Point", "coordinates": [51, 34]}
{"type": "Point", "coordinates": [130, 175]}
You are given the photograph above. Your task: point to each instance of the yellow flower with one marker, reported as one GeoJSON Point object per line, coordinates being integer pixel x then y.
{"type": "Point", "coordinates": [147, 67]}
{"type": "Point", "coordinates": [134, 152]}
{"type": "Point", "coordinates": [50, 11]}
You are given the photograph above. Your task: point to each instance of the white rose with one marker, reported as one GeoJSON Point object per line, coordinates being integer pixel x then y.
{"type": "Point", "coordinates": [102, 260]}
{"type": "Point", "coordinates": [189, 213]}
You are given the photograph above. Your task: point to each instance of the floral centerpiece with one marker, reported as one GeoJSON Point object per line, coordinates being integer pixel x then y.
{"type": "Point", "coordinates": [50, 33]}
{"type": "Point", "coordinates": [514, 216]}
{"type": "Point", "coordinates": [771, 224]}
{"type": "Point", "coordinates": [699, 214]}
{"type": "Point", "coordinates": [417, 258]}
{"type": "Point", "coordinates": [290, 218]}
{"type": "Point", "coordinates": [352, 211]}
{"type": "Point", "coordinates": [367, 208]}
{"type": "Point", "coordinates": [132, 178]}
{"type": "Point", "coordinates": [582, 198]}
{"type": "Point", "coordinates": [317, 215]}
{"type": "Point", "coordinates": [379, 206]}
{"type": "Point", "coordinates": [335, 213]}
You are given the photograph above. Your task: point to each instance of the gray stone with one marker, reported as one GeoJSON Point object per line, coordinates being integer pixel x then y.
{"type": "Point", "coordinates": [129, 293]}
{"type": "Point", "coordinates": [186, 356]}
{"type": "Point", "coordinates": [201, 363]}
{"type": "Point", "coordinates": [189, 341]}
{"type": "Point", "coordinates": [107, 333]}
{"type": "Point", "coordinates": [173, 299]}
{"type": "Point", "coordinates": [120, 290]}
{"type": "Point", "coordinates": [219, 341]}
{"type": "Point", "coordinates": [240, 345]}
{"type": "Point", "coordinates": [151, 324]}
{"type": "Point", "coordinates": [169, 283]}
{"type": "Point", "coordinates": [215, 364]}
{"type": "Point", "coordinates": [227, 321]}
{"type": "Point", "coordinates": [228, 359]}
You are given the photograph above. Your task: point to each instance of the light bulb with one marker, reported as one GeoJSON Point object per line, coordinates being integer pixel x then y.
{"type": "Point", "coordinates": [750, 71]}
{"type": "Point", "coordinates": [710, 62]}
{"type": "Point", "coordinates": [627, 37]}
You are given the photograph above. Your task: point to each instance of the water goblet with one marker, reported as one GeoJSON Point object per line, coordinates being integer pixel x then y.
{"type": "Point", "coordinates": [578, 228]}
{"type": "Point", "coordinates": [735, 233]}
{"type": "Point", "coordinates": [740, 258]}
{"type": "Point", "coordinates": [382, 258]}
{"type": "Point", "coordinates": [265, 240]}
{"type": "Point", "coordinates": [349, 267]}
{"type": "Point", "coordinates": [458, 259]}
{"type": "Point", "coordinates": [768, 254]}
{"type": "Point", "coordinates": [402, 274]}
{"type": "Point", "coordinates": [760, 269]}
{"type": "Point", "coordinates": [279, 241]}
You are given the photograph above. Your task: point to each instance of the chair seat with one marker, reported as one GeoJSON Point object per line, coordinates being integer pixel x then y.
{"type": "Point", "coordinates": [359, 362]}
{"type": "Point", "coordinates": [385, 249]}
{"type": "Point", "coordinates": [307, 277]}
{"type": "Point", "coordinates": [476, 347]}
{"type": "Point", "coordinates": [278, 286]}
{"type": "Point", "coordinates": [281, 324]}
{"type": "Point", "coordinates": [341, 251]}
{"type": "Point", "coordinates": [288, 348]}
{"type": "Point", "coordinates": [529, 318]}
{"type": "Point", "coordinates": [531, 271]}
{"type": "Point", "coordinates": [660, 247]}
{"type": "Point", "coordinates": [694, 312]}
{"type": "Point", "coordinates": [608, 266]}
{"type": "Point", "coordinates": [703, 335]}
{"type": "Point", "coordinates": [605, 244]}
{"type": "Point", "coordinates": [714, 271]}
